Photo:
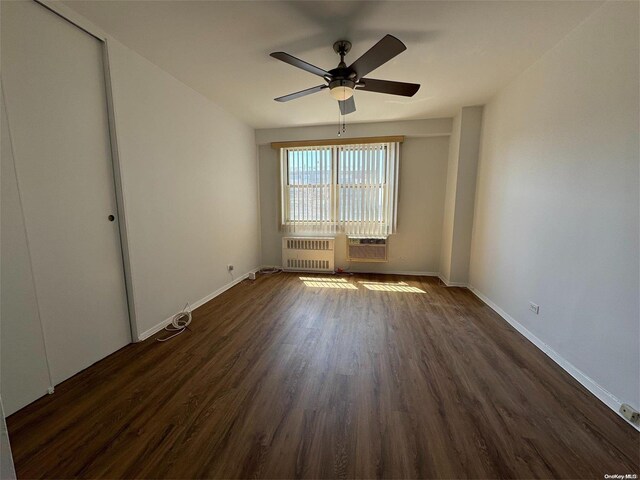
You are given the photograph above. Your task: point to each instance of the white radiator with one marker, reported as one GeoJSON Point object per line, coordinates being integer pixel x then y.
{"type": "Point", "coordinates": [310, 254]}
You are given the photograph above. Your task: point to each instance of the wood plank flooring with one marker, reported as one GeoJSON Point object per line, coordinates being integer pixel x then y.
{"type": "Point", "coordinates": [277, 379]}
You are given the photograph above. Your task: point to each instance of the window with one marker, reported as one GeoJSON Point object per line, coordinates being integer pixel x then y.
{"type": "Point", "coordinates": [308, 186]}
{"type": "Point", "coordinates": [346, 188]}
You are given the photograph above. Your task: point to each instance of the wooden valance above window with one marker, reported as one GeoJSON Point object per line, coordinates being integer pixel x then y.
{"type": "Point", "coordinates": [338, 141]}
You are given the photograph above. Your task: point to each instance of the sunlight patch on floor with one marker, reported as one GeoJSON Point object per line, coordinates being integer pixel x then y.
{"type": "Point", "coordinates": [390, 287]}
{"type": "Point", "coordinates": [329, 284]}
{"type": "Point", "coordinates": [323, 279]}
{"type": "Point", "coordinates": [342, 283]}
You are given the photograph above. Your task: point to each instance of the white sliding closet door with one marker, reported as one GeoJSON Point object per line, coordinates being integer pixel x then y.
{"type": "Point", "coordinates": [53, 79]}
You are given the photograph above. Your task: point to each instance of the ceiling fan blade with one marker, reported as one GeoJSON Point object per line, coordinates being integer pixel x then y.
{"type": "Point", "coordinates": [380, 53]}
{"type": "Point", "coordinates": [347, 106]}
{"type": "Point", "coordinates": [296, 62]}
{"type": "Point", "coordinates": [301, 93]}
{"type": "Point", "coordinates": [387, 86]}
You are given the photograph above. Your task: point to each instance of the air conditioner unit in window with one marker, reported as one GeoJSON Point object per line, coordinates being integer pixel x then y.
{"type": "Point", "coordinates": [370, 249]}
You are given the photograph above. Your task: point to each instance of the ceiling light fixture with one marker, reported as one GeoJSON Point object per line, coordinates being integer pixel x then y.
{"type": "Point", "coordinates": [341, 90]}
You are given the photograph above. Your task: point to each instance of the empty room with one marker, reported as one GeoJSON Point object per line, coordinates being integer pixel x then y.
{"type": "Point", "coordinates": [319, 239]}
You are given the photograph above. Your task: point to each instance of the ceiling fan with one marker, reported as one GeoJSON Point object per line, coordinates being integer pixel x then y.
{"type": "Point", "coordinates": [342, 80]}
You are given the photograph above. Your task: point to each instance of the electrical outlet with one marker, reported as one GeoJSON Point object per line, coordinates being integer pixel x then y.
{"type": "Point", "coordinates": [230, 268]}
{"type": "Point", "coordinates": [630, 413]}
{"type": "Point", "coordinates": [534, 308]}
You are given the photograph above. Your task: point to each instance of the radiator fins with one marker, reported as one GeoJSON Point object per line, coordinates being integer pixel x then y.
{"type": "Point", "coordinates": [294, 263]}
{"type": "Point", "coordinates": [308, 254]}
{"type": "Point", "coordinates": [305, 244]}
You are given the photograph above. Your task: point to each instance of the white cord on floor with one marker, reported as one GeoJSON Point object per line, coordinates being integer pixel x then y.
{"type": "Point", "coordinates": [179, 323]}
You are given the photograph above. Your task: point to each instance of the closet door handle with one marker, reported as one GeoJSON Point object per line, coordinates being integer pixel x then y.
{"type": "Point", "coordinates": [111, 218]}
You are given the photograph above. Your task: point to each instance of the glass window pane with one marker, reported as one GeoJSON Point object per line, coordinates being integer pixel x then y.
{"type": "Point", "coordinates": [309, 178]}
{"type": "Point", "coordinates": [361, 179]}
{"type": "Point", "coordinates": [308, 167]}
{"type": "Point", "coordinates": [351, 166]}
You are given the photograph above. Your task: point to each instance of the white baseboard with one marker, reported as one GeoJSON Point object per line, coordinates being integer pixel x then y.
{"type": "Point", "coordinates": [390, 272]}
{"type": "Point", "coordinates": [599, 392]}
{"type": "Point", "coordinates": [399, 272]}
{"type": "Point", "coordinates": [446, 281]}
{"type": "Point", "coordinates": [155, 329]}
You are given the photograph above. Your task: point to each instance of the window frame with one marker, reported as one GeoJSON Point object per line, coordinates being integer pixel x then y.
{"type": "Point", "coordinates": [336, 221]}
{"type": "Point", "coordinates": [384, 185]}
{"type": "Point", "coordinates": [285, 202]}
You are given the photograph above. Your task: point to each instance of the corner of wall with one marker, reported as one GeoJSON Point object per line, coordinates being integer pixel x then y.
{"type": "Point", "coordinates": [460, 195]}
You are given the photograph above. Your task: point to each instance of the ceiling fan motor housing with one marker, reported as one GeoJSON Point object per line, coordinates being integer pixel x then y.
{"type": "Point", "coordinates": [342, 82]}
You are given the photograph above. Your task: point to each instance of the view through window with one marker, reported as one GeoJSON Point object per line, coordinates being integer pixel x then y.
{"type": "Point", "coordinates": [348, 188]}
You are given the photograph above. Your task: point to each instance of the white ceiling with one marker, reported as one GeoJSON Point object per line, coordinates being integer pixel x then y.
{"type": "Point", "coordinates": [461, 52]}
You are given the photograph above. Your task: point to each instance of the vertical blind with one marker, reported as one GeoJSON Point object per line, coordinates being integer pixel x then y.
{"type": "Point", "coordinates": [342, 188]}
{"type": "Point", "coordinates": [308, 189]}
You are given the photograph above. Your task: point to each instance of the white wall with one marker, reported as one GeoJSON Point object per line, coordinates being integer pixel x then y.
{"type": "Point", "coordinates": [557, 205]}
{"type": "Point", "coordinates": [470, 133]}
{"type": "Point", "coordinates": [464, 149]}
{"type": "Point", "coordinates": [415, 247]}
{"type": "Point", "coordinates": [450, 199]}
{"type": "Point", "coordinates": [433, 127]}
{"type": "Point", "coordinates": [189, 182]}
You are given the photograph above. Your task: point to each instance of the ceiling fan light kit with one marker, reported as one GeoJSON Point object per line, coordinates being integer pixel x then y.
{"type": "Point", "coordinates": [342, 81]}
{"type": "Point", "coordinates": [341, 89]}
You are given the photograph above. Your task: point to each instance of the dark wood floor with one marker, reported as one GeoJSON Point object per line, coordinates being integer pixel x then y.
{"type": "Point", "coordinates": [277, 379]}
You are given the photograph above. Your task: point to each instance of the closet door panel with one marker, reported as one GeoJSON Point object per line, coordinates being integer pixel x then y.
{"type": "Point", "coordinates": [56, 104]}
